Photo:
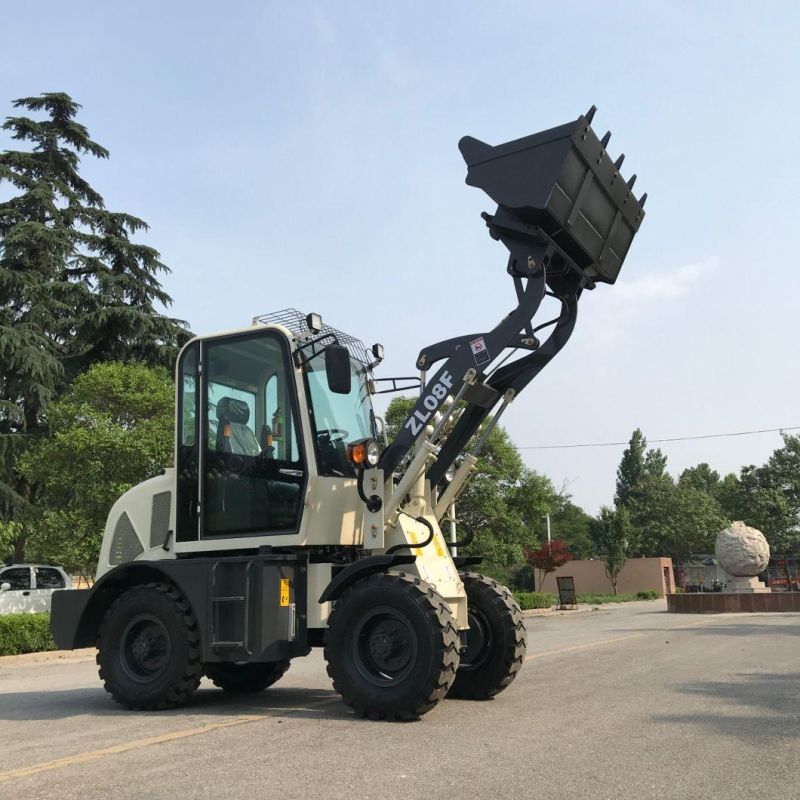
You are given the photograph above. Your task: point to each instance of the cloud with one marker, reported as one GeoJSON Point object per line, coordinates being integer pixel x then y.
{"type": "Point", "coordinates": [668, 284]}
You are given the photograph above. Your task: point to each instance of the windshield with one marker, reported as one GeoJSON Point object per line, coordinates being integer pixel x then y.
{"type": "Point", "coordinates": [338, 418]}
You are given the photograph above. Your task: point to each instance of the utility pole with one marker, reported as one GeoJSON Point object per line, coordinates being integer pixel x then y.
{"type": "Point", "coordinates": [547, 517]}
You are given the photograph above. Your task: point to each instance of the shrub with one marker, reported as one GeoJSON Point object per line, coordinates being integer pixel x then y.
{"type": "Point", "coordinates": [528, 600]}
{"type": "Point", "coordinates": [25, 633]}
{"type": "Point", "coordinates": [648, 594]}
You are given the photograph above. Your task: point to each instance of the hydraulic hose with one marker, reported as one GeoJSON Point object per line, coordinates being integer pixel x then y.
{"type": "Point", "coordinates": [408, 546]}
{"type": "Point", "coordinates": [373, 502]}
{"type": "Point", "coordinates": [465, 541]}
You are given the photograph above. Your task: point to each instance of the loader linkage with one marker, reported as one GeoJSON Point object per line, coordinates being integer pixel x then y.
{"type": "Point", "coordinates": [567, 218]}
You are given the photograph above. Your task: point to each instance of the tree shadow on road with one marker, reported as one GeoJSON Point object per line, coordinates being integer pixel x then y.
{"type": "Point", "coordinates": [757, 707]}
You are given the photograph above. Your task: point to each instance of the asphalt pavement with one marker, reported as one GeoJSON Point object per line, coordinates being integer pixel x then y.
{"type": "Point", "coordinates": [623, 702]}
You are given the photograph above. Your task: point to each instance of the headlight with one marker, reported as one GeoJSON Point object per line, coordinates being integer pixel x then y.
{"type": "Point", "coordinates": [365, 453]}
{"type": "Point", "coordinates": [450, 473]}
{"type": "Point", "coordinates": [314, 322]}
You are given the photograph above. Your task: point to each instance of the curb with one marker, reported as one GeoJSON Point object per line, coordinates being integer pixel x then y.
{"type": "Point", "coordinates": [554, 612]}
{"type": "Point", "coordinates": [84, 654]}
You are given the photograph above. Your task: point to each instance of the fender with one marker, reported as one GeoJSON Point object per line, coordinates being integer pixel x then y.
{"type": "Point", "coordinates": [361, 569]}
{"type": "Point", "coordinates": [76, 614]}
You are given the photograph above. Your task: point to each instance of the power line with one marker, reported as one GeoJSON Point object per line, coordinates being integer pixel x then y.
{"type": "Point", "coordinates": [659, 441]}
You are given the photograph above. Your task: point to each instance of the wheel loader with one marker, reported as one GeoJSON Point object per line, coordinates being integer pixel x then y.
{"type": "Point", "coordinates": [289, 522]}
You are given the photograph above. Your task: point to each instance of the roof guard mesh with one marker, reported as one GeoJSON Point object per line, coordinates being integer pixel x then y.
{"type": "Point", "coordinates": [295, 321]}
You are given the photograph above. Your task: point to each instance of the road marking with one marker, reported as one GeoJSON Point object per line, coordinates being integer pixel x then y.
{"type": "Point", "coordinates": [139, 744]}
{"type": "Point", "coordinates": [585, 646]}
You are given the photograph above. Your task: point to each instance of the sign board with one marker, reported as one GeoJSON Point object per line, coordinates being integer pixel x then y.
{"type": "Point", "coordinates": [566, 592]}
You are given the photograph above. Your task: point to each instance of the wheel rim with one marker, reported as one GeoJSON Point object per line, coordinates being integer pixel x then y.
{"type": "Point", "coordinates": [479, 641]}
{"type": "Point", "coordinates": [385, 646]}
{"type": "Point", "coordinates": [146, 648]}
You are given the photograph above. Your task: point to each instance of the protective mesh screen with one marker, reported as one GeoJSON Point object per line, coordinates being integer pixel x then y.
{"type": "Point", "coordinates": [159, 519]}
{"type": "Point", "coordinates": [125, 546]}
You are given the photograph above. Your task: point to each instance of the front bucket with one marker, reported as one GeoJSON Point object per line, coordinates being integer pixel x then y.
{"type": "Point", "coordinates": [563, 182]}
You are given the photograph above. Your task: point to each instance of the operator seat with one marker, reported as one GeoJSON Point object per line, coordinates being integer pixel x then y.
{"type": "Point", "coordinates": [233, 435]}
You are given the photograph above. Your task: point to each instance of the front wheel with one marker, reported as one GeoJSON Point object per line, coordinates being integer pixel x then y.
{"type": "Point", "coordinates": [392, 647]}
{"type": "Point", "coordinates": [496, 640]}
{"type": "Point", "coordinates": [247, 678]}
{"type": "Point", "coordinates": [148, 648]}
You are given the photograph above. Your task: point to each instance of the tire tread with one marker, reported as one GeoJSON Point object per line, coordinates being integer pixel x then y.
{"type": "Point", "coordinates": [182, 687]}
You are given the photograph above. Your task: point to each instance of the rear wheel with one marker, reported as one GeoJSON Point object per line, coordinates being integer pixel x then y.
{"type": "Point", "coordinates": [496, 640]}
{"type": "Point", "coordinates": [392, 647]}
{"type": "Point", "coordinates": [148, 648]}
{"type": "Point", "coordinates": [246, 678]}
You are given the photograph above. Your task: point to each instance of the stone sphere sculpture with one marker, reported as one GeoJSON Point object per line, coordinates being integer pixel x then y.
{"type": "Point", "coordinates": [742, 551]}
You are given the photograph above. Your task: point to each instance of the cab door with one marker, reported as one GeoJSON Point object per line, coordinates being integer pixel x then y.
{"type": "Point", "coordinates": [241, 464]}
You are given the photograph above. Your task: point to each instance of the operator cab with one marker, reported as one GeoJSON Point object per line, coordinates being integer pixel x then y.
{"type": "Point", "coordinates": [242, 462]}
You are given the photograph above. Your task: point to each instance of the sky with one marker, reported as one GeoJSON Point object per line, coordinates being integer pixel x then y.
{"type": "Point", "coordinates": [304, 155]}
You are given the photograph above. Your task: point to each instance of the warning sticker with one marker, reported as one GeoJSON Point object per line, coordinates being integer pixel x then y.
{"type": "Point", "coordinates": [479, 351]}
{"type": "Point", "coordinates": [284, 592]}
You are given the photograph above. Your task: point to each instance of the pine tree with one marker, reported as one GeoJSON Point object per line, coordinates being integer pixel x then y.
{"type": "Point", "coordinates": [74, 288]}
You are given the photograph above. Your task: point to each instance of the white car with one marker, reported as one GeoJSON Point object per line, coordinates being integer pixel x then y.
{"type": "Point", "coordinates": [27, 588]}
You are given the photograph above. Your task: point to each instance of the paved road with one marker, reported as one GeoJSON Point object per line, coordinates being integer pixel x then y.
{"type": "Point", "coordinates": [625, 702]}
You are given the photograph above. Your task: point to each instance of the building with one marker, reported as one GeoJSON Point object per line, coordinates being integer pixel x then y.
{"type": "Point", "coordinates": [638, 575]}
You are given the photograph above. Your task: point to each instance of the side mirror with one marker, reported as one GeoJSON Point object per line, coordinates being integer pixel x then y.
{"type": "Point", "coordinates": [5, 586]}
{"type": "Point", "coordinates": [337, 368]}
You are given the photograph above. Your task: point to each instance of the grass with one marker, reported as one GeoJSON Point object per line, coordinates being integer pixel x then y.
{"type": "Point", "coordinates": [594, 599]}
{"type": "Point", "coordinates": [25, 633]}
{"type": "Point", "coordinates": [528, 600]}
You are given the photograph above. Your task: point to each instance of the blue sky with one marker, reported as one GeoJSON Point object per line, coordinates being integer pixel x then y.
{"type": "Point", "coordinates": [305, 155]}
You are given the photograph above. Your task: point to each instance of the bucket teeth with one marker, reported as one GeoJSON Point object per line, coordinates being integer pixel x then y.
{"type": "Point", "coordinates": [618, 162]}
{"type": "Point", "coordinates": [473, 149]}
{"type": "Point", "coordinates": [590, 115]}
{"type": "Point", "coordinates": [642, 199]}
{"type": "Point", "coordinates": [632, 181]}
{"type": "Point", "coordinates": [606, 139]}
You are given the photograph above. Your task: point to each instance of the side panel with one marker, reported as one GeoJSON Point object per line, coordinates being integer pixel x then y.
{"type": "Point", "coordinates": [139, 524]}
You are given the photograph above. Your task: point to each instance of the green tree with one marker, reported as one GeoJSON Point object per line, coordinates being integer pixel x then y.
{"type": "Point", "coordinates": [757, 498]}
{"type": "Point", "coordinates": [615, 540]}
{"type": "Point", "coordinates": [571, 524]}
{"type": "Point", "coordinates": [655, 463]}
{"type": "Point", "coordinates": [112, 430]}
{"type": "Point", "coordinates": [701, 477]}
{"type": "Point", "coordinates": [631, 468]}
{"type": "Point", "coordinates": [74, 288]}
{"type": "Point", "coordinates": [675, 520]}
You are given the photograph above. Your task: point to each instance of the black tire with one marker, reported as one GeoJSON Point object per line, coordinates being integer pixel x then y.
{"type": "Point", "coordinates": [247, 678]}
{"type": "Point", "coordinates": [149, 648]}
{"type": "Point", "coordinates": [392, 647]}
{"type": "Point", "coordinates": [496, 640]}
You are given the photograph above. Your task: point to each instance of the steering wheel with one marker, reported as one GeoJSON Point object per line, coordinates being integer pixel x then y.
{"type": "Point", "coordinates": [333, 435]}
